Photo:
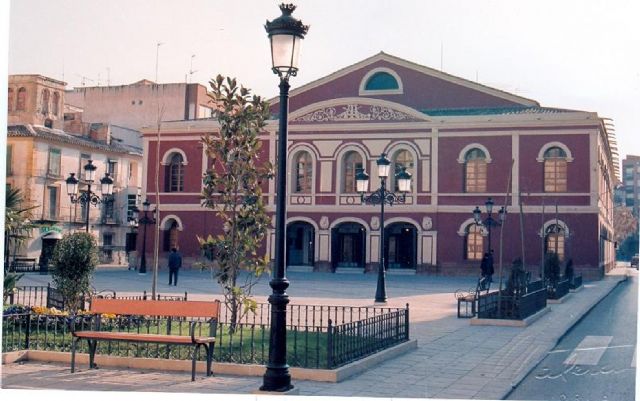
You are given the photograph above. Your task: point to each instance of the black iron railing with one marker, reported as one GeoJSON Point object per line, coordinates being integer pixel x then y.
{"type": "Point", "coordinates": [559, 290]}
{"type": "Point", "coordinates": [313, 341]}
{"type": "Point", "coordinates": [576, 282]}
{"type": "Point", "coordinates": [351, 341]}
{"type": "Point", "coordinates": [50, 297]}
{"type": "Point", "coordinates": [494, 306]}
{"type": "Point", "coordinates": [27, 265]}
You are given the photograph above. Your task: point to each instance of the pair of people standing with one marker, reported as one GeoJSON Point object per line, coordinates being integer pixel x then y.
{"type": "Point", "coordinates": [175, 263]}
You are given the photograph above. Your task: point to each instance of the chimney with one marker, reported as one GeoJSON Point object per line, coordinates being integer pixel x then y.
{"type": "Point", "coordinates": [100, 132]}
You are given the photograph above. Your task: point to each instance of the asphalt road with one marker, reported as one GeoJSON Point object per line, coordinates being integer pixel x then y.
{"type": "Point", "coordinates": [596, 360]}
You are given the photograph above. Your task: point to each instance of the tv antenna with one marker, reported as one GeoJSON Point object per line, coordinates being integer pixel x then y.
{"type": "Point", "coordinates": [191, 70]}
{"type": "Point", "coordinates": [84, 79]}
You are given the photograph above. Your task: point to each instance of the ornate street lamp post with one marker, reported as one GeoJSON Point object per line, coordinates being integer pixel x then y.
{"type": "Point", "coordinates": [285, 34]}
{"type": "Point", "coordinates": [381, 197]}
{"type": "Point", "coordinates": [89, 198]}
{"type": "Point", "coordinates": [144, 220]}
{"type": "Point", "coordinates": [489, 221]}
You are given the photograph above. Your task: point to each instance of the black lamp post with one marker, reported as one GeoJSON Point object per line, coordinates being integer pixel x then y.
{"type": "Point", "coordinates": [89, 198]}
{"type": "Point", "coordinates": [144, 220]}
{"type": "Point", "coordinates": [489, 221]}
{"type": "Point", "coordinates": [285, 34]}
{"type": "Point", "coordinates": [381, 197]}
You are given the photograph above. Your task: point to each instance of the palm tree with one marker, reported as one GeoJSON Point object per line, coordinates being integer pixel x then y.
{"type": "Point", "coordinates": [17, 223]}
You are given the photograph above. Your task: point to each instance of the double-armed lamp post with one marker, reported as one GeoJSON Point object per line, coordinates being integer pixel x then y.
{"type": "Point", "coordinates": [88, 197]}
{"type": "Point", "coordinates": [144, 220]}
{"type": "Point", "coordinates": [285, 34]}
{"type": "Point", "coordinates": [489, 221]}
{"type": "Point", "coordinates": [382, 197]}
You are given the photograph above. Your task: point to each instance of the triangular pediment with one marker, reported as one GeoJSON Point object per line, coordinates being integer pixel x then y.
{"type": "Point", "coordinates": [353, 109]}
{"type": "Point", "coordinates": [418, 87]}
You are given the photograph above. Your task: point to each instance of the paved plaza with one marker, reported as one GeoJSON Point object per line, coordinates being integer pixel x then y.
{"type": "Point", "coordinates": [453, 359]}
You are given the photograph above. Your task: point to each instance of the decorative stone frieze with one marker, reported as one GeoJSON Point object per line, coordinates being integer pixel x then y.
{"type": "Point", "coordinates": [354, 112]}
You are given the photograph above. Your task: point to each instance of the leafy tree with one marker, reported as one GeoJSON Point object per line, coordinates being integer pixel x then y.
{"type": "Point", "coordinates": [624, 223]}
{"type": "Point", "coordinates": [232, 187]}
{"type": "Point", "coordinates": [9, 284]}
{"type": "Point", "coordinates": [628, 247]}
{"type": "Point", "coordinates": [74, 260]}
{"type": "Point", "coordinates": [17, 223]}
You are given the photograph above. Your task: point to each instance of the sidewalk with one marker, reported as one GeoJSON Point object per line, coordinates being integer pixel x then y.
{"type": "Point", "coordinates": [453, 358]}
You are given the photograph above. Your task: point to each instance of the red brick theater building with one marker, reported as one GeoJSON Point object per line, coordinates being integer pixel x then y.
{"type": "Point", "coordinates": [460, 140]}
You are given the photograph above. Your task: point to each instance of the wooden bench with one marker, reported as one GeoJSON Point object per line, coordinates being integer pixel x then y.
{"type": "Point", "coordinates": [181, 309]}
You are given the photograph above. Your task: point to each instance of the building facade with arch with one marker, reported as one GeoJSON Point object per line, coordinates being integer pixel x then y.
{"type": "Point", "coordinates": [463, 143]}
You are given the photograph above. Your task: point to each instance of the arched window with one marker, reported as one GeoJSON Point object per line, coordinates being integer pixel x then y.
{"type": "Point", "coordinates": [474, 245]}
{"type": "Point", "coordinates": [10, 100]}
{"type": "Point", "coordinates": [45, 101]}
{"type": "Point", "coordinates": [401, 158]}
{"type": "Point", "coordinates": [475, 171]}
{"type": "Point", "coordinates": [175, 171]}
{"type": "Point", "coordinates": [352, 162]}
{"type": "Point", "coordinates": [55, 104]}
{"type": "Point", "coordinates": [554, 240]}
{"type": "Point", "coordinates": [22, 99]}
{"type": "Point", "coordinates": [555, 170]}
{"type": "Point", "coordinates": [303, 173]}
{"type": "Point", "coordinates": [382, 81]}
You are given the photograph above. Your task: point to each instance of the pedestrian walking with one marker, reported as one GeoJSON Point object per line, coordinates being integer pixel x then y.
{"type": "Point", "coordinates": [175, 263]}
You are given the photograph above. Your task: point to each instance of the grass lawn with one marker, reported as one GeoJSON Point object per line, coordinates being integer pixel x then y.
{"type": "Point", "coordinates": [306, 347]}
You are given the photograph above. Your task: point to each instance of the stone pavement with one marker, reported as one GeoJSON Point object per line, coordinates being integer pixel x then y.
{"type": "Point", "coordinates": [453, 358]}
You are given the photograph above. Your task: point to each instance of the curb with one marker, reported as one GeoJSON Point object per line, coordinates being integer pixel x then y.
{"type": "Point", "coordinates": [319, 375]}
{"type": "Point", "coordinates": [521, 377]}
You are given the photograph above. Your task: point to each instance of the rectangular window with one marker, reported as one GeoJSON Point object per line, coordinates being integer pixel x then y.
{"type": "Point", "coordinates": [555, 175]}
{"type": "Point", "coordinates": [132, 201]}
{"type": "Point", "coordinates": [54, 162]}
{"type": "Point", "coordinates": [555, 243]}
{"type": "Point", "coordinates": [112, 169]}
{"type": "Point", "coordinates": [108, 210]}
{"type": "Point", "coordinates": [476, 176]}
{"type": "Point", "coordinates": [107, 239]}
{"type": "Point", "coordinates": [52, 198]}
{"type": "Point", "coordinates": [474, 243]}
{"type": "Point", "coordinates": [107, 244]}
{"type": "Point", "coordinates": [133, 173]}
{"type": "Point", "coordinates": [9, 158]}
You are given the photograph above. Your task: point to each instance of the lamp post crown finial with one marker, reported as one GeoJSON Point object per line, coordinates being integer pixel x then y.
{"type": "Point", "coordinates": [286, 23]}
{"type": "Point", "coordinates": [287, 9]}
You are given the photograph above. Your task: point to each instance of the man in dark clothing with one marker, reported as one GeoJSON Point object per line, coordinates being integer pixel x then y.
{"type": "Point", "coordinates": [175, 263]}
{"type": "Point", "coordinates": [490, 270]}
{"type": "Point", "coordinates": [484, 265]}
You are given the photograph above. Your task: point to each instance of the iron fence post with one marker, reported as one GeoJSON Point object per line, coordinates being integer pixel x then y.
{"type": "Point", "coordinates": [330, 345]}
{"type": "Point", "coordinates": [27, 331]}
{"type": "Point", "coordinates": [406, 323]}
